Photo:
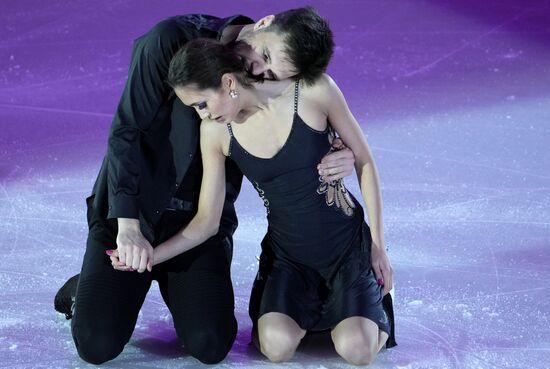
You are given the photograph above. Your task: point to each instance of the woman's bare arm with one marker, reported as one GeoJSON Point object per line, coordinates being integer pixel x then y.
{"type": "Point", "coordinates": [205, 223]}
{"type": "Point", "coordinates": [343, 121]}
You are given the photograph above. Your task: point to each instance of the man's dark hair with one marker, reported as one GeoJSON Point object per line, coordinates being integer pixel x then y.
{"type": "Point", "coordinates": [202, 62]}
{"type": "Point", "coordinates": [308, 38]}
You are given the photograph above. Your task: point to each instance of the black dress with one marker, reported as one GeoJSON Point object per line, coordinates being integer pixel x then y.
{"type": "Point", "coordinates": [319, 270]}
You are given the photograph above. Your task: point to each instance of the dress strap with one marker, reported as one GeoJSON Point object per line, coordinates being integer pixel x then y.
{"type": "Point", "coordinates": [230, 129]}
{"type": "Point", "coordinates": [231, 138]}
{"type": "Point", "coordinates": [296, 93]}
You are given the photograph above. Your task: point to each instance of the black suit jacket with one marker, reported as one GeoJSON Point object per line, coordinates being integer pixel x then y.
{"type": "Point", "coordinates": [153, 137]}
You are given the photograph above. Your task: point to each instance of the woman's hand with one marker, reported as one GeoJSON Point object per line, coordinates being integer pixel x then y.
{"type": "Point", "coordinates": [116, 263]}
{"type": "Point", "coordinates": [133, 250]}
{"type": "Point", "coordinates": [338, 163]}
{"type": "Point", "coordinates": [382, 268]}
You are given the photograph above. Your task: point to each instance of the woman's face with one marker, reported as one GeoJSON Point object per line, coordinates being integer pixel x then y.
{"type": "Point", "coordinates": [210, 104]}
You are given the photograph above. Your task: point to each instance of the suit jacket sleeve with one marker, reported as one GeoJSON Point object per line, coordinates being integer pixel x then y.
{"type": "Point", "coordinates": [144, 93]}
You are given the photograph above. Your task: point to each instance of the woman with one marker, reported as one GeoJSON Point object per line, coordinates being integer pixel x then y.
{"type": "Point", "coordinates": [276, 131]}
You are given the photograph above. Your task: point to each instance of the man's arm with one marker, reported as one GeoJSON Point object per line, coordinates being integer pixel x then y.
{"type": "Point", "coordinates": [143, 95]}
{"type": "Point", "coordinates": [142, 98]}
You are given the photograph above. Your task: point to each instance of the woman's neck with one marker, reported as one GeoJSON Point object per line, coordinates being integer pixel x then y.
{"type": "Point", "coordinates": [260, 96]}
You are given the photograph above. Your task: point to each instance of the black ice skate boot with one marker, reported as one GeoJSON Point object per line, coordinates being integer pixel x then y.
{"type": "Point", "coordinates": [64, 298]}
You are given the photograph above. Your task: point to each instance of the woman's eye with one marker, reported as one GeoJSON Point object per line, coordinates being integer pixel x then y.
{"type": "Point", "coordinates": [201, 105]}
{"type": "Point", "coordinates": [265, 57]}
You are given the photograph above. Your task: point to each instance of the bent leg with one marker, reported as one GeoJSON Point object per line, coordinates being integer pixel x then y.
{"type": "Point", "coordinates": [107, 301]}
{"type": "Point", "coordinates": [358, 340]}
{"type": "Point", "coordinates": [289, 305]}
{"type": "Point", "coordinates": [279, 336]}
{"type": "Point", "coordinates": [199, 293]}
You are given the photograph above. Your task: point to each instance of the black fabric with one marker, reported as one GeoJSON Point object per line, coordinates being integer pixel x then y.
{"type": "Point", "coordinates": [304, 226]}
{"type": "Point", "coordinates": [316, 303]}
{"type": "Point", "coordinates": [387, 303]}
{"type": "Point", "coordinates": [64, 298]}
{"type": "Point", "coordinates": [196, 287]}
{"type": "Point", "coordinates": [315, 265]}
{"type": "Point", "coordinates": [191, 187]}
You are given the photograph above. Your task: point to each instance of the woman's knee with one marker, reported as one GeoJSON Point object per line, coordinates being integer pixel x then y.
{"type": "Point", "coordinates": [278, 344]}
{"type": "Point", "coordinates": [356, 348]}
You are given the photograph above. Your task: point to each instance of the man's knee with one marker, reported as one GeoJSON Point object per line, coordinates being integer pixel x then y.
{"type": "Point", "coordinates": [211, 344]}
{"type": "Point", "coordinates": [97, 347]}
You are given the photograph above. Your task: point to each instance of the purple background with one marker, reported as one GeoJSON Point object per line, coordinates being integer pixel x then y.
{"type": "Point", "coordinates": [455, 99]}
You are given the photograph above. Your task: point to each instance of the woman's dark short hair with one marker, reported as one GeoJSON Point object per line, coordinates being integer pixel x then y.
{"type": "Point", "coordinates": [202, 62]}
{"type": "Point", "coordinates": [308, 38]}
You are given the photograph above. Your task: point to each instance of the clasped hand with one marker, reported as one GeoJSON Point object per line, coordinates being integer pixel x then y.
{"type": "Point", "coordinates": [134, 252]}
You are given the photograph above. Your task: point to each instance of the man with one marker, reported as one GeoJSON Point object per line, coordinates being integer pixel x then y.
{"type": "Point", "coordinates": [149, 182]}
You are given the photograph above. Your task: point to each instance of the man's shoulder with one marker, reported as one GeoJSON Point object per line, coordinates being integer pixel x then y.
{"type": "Point", "coordinates": [193, 25]}
{"type": "Point", "coordinates": [173, 32]}
{"type": "Point", "coordinates": [181, 23]}
{"type": "Point", "coordinates": [177, 27]}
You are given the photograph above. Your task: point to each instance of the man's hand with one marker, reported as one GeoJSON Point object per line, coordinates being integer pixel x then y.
{"type": "Point", "coordinates": [133, 250]}
{"type": "Point", "coordinates": [116, 263]}
{"type": "Point", "coordinates": [338, 163]}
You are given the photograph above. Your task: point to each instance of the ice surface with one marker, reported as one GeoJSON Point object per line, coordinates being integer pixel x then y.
{"type": "Point", "coordinates": [454, 97]}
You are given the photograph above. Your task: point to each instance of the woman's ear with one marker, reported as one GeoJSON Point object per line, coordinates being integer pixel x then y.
{"type": "Point", "coordinates": [228, 81]}
{"type": "Point", "coordinates": [264, 22]}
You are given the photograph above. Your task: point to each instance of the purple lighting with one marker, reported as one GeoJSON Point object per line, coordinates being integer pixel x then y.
{"type": "Point", "coordinates": [454, 97]}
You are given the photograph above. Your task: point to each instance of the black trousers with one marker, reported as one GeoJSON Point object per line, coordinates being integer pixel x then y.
{"type": "Point", "coordinates": [196, 287]}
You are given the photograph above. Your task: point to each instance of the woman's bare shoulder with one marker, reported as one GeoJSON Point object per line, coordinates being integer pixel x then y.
{"type": "Point", "coordinates": [321, 91]}
{"type": "Point", "coordinates": [321, 86]}
{"type": "Point", "coordinates": [213, 131]}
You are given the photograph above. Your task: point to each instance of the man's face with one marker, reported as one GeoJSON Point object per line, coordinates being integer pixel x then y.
{"type": "Point", "coordinates": [264, 55]}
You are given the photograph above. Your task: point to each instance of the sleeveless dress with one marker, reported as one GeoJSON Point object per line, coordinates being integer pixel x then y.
{"type": "Point", "coordinates": [315, 263]}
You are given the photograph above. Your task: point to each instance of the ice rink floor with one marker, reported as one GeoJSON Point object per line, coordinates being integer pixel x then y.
{"type": "Point", "coordinates": [455, 99]}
